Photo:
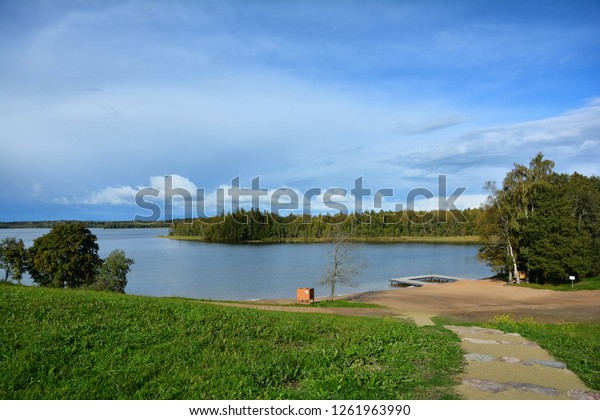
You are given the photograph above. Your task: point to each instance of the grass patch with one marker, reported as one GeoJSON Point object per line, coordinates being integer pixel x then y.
{"type": "Point", "coordinates": [72, 344]}
{"type": "Point", "coordinates": [576, 344]}
{"type": "Point", "coordinates": [341, 303]}
{"type": "Point", "coordinates": [585, 284]}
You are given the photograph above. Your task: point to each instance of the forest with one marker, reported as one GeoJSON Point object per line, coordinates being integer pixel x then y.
{"type": "Point", "coordinates": [49, 224]}
{"type": "Point", "coordinates": [255, 225]}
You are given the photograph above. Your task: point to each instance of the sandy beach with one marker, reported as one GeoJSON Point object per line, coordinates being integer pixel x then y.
{"type": "Point", "coordinates": [482, 299]}
{"type": "Point", "coordinates": [467, 300]}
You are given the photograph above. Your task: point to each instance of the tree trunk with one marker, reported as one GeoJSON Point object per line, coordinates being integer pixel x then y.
{"type": "Point", "coordinates": [334, 274]}
{"type": "Point", "coordinates": [514, 262]}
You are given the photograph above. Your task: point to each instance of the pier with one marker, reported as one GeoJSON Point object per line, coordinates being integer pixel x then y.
{"type": "Point", "coordinates": [418, 281]}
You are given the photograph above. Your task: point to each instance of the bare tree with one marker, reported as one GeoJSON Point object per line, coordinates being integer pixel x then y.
{"type": "Point", "coordinates": [345, 262]}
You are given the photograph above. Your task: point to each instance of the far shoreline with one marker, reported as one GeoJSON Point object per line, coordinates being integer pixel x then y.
{"type": "Point", "coordinates": [449, 240]}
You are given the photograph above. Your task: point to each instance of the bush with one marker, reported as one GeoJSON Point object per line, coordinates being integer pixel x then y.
{"type": "Point", "coordinates": [112, 275]}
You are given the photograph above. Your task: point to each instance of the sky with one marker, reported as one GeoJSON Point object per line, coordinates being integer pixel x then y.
{"type": "Point", "coordinates": [101, 99]}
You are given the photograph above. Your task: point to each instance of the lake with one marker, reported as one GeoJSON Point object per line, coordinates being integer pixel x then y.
{"type": "Point", "coordinates": [165, 267]}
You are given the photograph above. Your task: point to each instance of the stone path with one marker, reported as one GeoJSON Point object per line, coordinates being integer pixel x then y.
{"type": "Point", "coordinates": [508, 367]}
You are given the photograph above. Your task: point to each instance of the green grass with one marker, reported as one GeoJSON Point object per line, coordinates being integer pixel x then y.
{"type": "Point", "coordinates": [585, 284]}
{"type": "Point", "coordinates": [341, 303]}
{"type": "Point", "coordinates": [576, 344]}
{"type": "Point", "coordinates": [70, 344]}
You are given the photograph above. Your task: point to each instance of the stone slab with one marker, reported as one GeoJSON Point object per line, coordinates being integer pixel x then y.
{"type": "Point", "coordinates": [561, 379]}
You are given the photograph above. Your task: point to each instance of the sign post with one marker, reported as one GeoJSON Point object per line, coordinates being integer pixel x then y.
{"type": "Point", "coordinates": [572, 278]}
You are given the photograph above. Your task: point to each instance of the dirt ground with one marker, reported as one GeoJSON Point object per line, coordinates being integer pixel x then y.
{"type": "Point", "coordinates": [466, 300]}
{"type": "Point", "coordinates": [483, 299]}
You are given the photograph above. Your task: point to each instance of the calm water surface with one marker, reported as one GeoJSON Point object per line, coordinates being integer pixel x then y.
{"type": "Point", "coordinates": [165, 267]}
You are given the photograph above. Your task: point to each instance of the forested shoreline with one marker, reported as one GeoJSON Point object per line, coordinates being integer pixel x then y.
{"type": "Point", "coordinates": [262, 226]}
{"type": "Point", "coordinates": [537, 226]}
{"type": "Point", "coordinates": [90, 224]}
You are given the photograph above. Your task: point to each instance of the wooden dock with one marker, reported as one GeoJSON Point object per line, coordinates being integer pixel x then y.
{"type": "Point", "coordinates": [418, 281]}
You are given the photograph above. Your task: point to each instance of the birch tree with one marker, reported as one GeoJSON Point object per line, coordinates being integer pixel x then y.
{"type": "Point", "coordinates": [507, 211]}
{"type": "Point", "coordinates": [345, 262]}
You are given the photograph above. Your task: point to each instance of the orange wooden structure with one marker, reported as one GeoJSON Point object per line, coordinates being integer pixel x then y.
{"type": "Point", "coordinates": [305, 295]}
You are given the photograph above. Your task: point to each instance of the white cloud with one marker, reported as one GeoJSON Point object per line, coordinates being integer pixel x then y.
{"type": "Point", "coordinates": [573, 133]}
{"type": "Point", "coordinates": [463, 202]}
{"type": "Point", "coordinates": [110, 195]}
{"type": "Point", "coordinates": [172, 183]}
{"type": "Point", "coordinates": [220, 199]}
{"type": "Point", "coordinates": [126, 194]}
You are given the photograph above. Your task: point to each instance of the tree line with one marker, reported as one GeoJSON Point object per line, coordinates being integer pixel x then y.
{"type": "Point", "coordinates": [540, 225]}
{"type": "Point", "coordinates": [65, 257]}
{"type": "Point", "coordinates": [49, 224]}
{"type": "Point", "coordinates": [255, 225]}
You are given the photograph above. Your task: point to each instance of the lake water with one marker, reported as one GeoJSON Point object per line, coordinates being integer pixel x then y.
{"type": "Point", "coordinates": [165, 267]}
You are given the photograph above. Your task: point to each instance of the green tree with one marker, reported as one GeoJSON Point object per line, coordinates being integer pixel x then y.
{"type": "Point", "coordinates": [544, 223]}
{"type": "Point", "coordinates": [345, 262]}
{"type": "Point", "coordinates": [556, 245]}
{"type": "Point", "coordinates": [112, 275]}
{"type": "Point", "coordinates": [12, 258]}
{"type": "Point", "coordinates": [498, 227]}
{"type": "Point", "coordinates": [492, 227]}
{"type": "Point", "coordinates": [508, 210]}
{"type": "Point", "coordinates": [67, 256]}
{"type": "Point", "coordinates": [583, 193]}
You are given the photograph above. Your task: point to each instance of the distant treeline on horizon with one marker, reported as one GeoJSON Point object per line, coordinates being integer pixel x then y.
{"type": "Point", "coordinates": [255, 225]}
{"type": "Point", "coordinates": [49, 224]}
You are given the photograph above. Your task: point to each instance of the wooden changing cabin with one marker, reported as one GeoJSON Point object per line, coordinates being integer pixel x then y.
{"type": "Point", "coordinates": [305, 295]}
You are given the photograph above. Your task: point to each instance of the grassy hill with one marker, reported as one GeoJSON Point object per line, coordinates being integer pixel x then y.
{"type": "Point", "coordinates": [69, 344]}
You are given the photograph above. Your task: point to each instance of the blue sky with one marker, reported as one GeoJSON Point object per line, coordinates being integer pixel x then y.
{"type": "Point", "coordinates": [99, 99]}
